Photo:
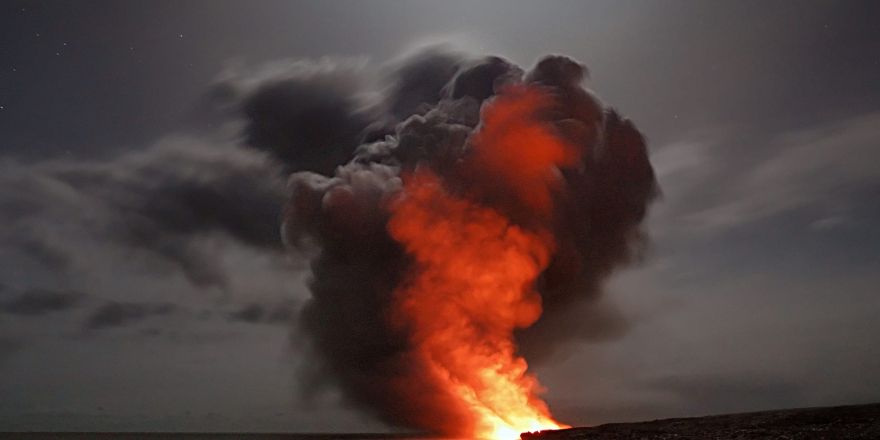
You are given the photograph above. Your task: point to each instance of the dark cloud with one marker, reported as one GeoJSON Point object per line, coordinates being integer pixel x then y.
{"type": "Point", "coordinates": [119, 314]}
{"type": "Point", "coordinates": [558, 70]}
{"type": "Point", "coordinates": [37, 302]}
{"type": "Point", "coordinates": [171, 199]}
{"type": "Point", "coordinates": [178, 190]}
{"type": "Point", "coordinates": [161, 200]}
{"type": "Point", "coordinates": [736, 86]}
{"type": "Point", "coordinates": [482, 78]}
{"type": "Point", "coordinates": [819, 169]}
{"type": "Point", "coordinates": [250, 313]}
{"type": "Point", "coordinates": [702, 393]}
{"type": "Point", "coordinates": [358, 266]}
{"type": "Point", "coordinates": [310, 121]}
{"type": "Point", "coordinates": [42, 251]}
{"type": "Point", "coordinates": [413, 85]}
{"type": "Point", "coordinates": [256, 313]}
{"type": "Point", "coordinates": [417, 82]}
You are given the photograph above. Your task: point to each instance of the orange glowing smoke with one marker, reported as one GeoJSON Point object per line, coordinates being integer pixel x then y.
{"type": "Point", "coordinates": [474, 271]}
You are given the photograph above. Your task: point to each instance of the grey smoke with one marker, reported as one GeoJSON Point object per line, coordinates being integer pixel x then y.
{"type": "Point", "coordinates": [346, 133]}
{"type": "Point", "coordinates": [119, 314]}
{"type": "Point", "coordinates": [161, 200]}
{"type": "Point", "coordinates": [340, 219]}
{"type": "Point", "coordinates": [256, 313]}
{"type": "Point", "coordinates": [37, 302]}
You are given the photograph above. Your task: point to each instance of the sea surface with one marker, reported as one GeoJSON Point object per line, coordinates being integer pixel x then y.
{"type": "Point", "coordinates": [199, 436]}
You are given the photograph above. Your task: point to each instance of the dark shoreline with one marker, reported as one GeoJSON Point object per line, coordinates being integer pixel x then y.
{"type": "Point", "coordinates": [840, 422]}
{"type": "Point", "coordinates": [826, 423]}
{"type": "Point", "coordinates": [205, 436]}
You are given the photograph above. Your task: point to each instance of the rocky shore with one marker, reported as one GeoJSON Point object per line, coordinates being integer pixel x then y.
{"type": "Point", "coordinates": [842, 422]}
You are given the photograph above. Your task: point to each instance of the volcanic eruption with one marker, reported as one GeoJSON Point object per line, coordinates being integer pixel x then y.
{"type": "Point", "coordinates": [481, 207]}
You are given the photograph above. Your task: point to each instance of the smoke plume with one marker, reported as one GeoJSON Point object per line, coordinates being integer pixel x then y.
{"type": "Point", "coordinates": [485, 204]}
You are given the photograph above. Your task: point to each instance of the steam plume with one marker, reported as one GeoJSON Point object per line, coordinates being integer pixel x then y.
{"type": "Point", "coordinates": [534, 154]}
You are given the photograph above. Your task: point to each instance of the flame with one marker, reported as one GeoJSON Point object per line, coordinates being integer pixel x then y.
{"type": "Point", "coordinates": [474, 271]}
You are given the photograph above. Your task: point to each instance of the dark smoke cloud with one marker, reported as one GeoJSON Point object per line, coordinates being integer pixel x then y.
{"type": "Point", "coordinates": [162, 200]}
{"type": "Point", "coordinates": [347, 139]}
{"type": "Point", "coordinates": [37, 302]}
{"type": "Point", "coordinates": [341, 219]}
{"type": "Point", "coordinates": [482, 78]}
{"type": "Point", "coordinates": [418, 82]}
{"type": "Point", "coordinates": [412, 86]}
{"type": "Point", "coordinates": [118, 314]}
{"type": "Point", "coordinates": [256, 313]}
{"type": "Point", "coordinates": [42, 251]}
{"type": "Point", "coordinates": [308, 115]}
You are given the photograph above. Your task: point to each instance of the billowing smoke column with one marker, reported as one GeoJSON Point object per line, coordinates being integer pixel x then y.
{"type": "Point", "coordinates": [492, 196]}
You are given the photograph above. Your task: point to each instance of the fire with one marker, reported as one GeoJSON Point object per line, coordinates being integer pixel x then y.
{"type": "Point", "coordinates": [472, 284]}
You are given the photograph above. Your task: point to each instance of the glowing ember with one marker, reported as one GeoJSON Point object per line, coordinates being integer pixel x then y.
{"type": "Point", "coordinates": [474, 271]}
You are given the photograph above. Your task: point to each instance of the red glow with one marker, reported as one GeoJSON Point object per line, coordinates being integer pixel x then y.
{"type": "Point", "coordinates": [473, 279]}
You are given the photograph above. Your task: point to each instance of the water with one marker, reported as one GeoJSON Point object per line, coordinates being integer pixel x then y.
{"type": "Point", "coordinates": [200, 436]}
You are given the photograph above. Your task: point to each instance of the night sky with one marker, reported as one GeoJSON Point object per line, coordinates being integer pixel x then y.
{"type": "Point", "coordinates": [144, 286]}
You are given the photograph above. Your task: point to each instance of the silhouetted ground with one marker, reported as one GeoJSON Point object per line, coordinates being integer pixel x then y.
{"type": "Point", "coordinates": [842, 422]}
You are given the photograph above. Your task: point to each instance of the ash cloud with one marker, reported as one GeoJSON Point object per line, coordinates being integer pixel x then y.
{"type": "Point", "coordinates": [192, 214]}
{"type": "Point", "coordinates": [119, 314]}
{"type": "Point", "coordinates": [38, 302]}
{"type": "Point", "coordinates": [346, 137]}
{"type": "Point", "coordinates": [340, 220]}
{"type": "Point", "coordinates": [160, 201]}
{"type": "Point", "coordinates": [310, 116]}
{"type": "Point", "coordinates": [168, 199]}
{"type": "Point", "coordinates": [418, 82]}
{"type": "Point", "coordinates": [256, 313]}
